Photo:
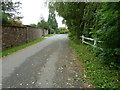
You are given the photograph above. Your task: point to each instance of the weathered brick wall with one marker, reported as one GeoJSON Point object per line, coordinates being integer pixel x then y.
{"type": "Point", "coordinates": [13, 36]}
{"type": "Point", "coordinates": [45, 32]}
{"type": "Point", "coordinates": [0, 37]}
{"type": "Point", "coordinates": [33, 33]}
{"type": "Point", "coordinates": [16, 36]}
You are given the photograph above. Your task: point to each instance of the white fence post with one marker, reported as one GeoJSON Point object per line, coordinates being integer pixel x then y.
{"type": "Point", "coordinates": [82, 38]}
{"type": "Point", "coordinates": [95, 42]}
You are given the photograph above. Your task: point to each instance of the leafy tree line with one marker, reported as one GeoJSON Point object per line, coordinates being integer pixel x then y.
{"type": "Point", "coordinates": [51, 19]}
{"type": "Point", "coordinates": [45, 25]}
{"type": "Point", "coordinates": [62, 30]}
{"type": "Point", "coordinates": [72, 14]}
{"type": "Point", "coordinates": [11, 16]}
{"type": "Point", "coordinates": [96, 20]}
{"type": "Point", "coordinates": [51, 24]}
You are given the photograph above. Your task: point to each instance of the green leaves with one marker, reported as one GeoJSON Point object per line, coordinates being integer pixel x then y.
{"type": "Point", "coordinates": [43, 24]}
{"type": "Point", "coordinates": [72, 14]}
{"type": "Point", "coordinates": [109, 33]}
{"type": "Point", "coordinates": [9, 11]}
{"type": "Point", "coordinates": [100, 21]}
{"type": "Point", "coordinates": [51, 18]}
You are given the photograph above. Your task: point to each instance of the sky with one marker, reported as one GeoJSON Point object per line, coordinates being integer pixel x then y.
{"type": "Point", "coordinates": [32, 10]}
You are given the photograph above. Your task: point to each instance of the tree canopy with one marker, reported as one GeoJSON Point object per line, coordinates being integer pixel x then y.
{"type": "Point", "coordinates": [72, 14]}
{"type": "Point", "coordinates": [10, 11]}
{"type": "Point", "coordinates": [43, 24]}
{"type": "Point", "coordinates": [52, 18]}
{"type": "Point", "coordinates": [96, 20]}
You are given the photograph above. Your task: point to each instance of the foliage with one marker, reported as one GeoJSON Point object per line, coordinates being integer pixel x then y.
{"type": "Point", "coordinates": [43, 24]}
{"type": "Point", "coordinates": [99, 21]}
{"type": "Point", "coordinates": [52, 20]}
{"type": "Point", "coordinates": [9, 11]}
{"type": "Point", "coordinates": [9, 6]}
{"type": "Point", "coordinates": [62, 31]}
{"type": "Point", "coordinates": [72, 14]}
{"type": "Point", "coordinates": [5, 19]}
{"type": "Point", "coordinates": [109, 33]}
{"type": "Point", "coordinates": [90, 19]}
{"type": "Point", "coordinates": [97, 74]}
{"type": "Point", "coordinates": [96, 20]}
{"type": "Point", "coordinates": [33, 25]}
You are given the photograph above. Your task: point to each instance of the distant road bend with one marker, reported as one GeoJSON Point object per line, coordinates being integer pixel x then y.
{"type": "Point", "coordinates": [47, 64]}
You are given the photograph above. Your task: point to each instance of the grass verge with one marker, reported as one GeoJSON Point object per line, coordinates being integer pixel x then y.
{"type": "Point", "coordinates": [96, 72]}
{"type": "Point", "coordinates": [12, 50]}
{"type": "Point", "coordinates": [49, 35]}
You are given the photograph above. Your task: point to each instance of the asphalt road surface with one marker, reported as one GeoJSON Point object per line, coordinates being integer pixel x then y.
{"type": "Point", "coordinates": [47, 64]}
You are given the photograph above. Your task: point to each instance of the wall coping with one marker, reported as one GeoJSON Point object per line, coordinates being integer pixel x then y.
{"type": "Point", "coordinates": [13, 26]}
{"type": "Point", "coordinates": [24, 26]}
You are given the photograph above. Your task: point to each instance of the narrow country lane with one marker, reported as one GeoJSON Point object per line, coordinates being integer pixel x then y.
{"type": "Point", "coordinates": [48, 64]}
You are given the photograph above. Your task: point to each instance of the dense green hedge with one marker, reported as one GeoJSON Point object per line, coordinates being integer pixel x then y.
{"type": "Point", "coordinates": [95, 20]}
{"type": "Point", "coordinates": [109, 33]}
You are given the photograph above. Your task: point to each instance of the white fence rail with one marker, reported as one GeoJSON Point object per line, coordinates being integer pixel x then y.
{"type": "Point", "coordinates": [94, 41]}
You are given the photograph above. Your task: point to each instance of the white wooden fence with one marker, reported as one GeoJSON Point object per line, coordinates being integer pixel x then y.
{"type": "Point", "coordinates": [93, 40]}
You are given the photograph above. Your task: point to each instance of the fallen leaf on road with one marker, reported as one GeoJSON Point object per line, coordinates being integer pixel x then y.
{"type": "Point", "coordinates": [69, 79]}
{"type": "Point", "coordinates": [33, 82]}
{"type": "Point", "coordinates": [76, 75]}
{"type": "Point", "coordinates": [20, 83]}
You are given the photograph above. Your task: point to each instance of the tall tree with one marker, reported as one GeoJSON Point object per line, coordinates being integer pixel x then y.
{"type": "Point", "coordinates": [90, 18]}
{"type": "Point", "coordinates": [9, 11]}
{"type": "Point", "coordinates": [98, 20]}
{"type": "Point", "coordinates": [72, 14]}
{"type": "Point", "coordinates": [51, 19]}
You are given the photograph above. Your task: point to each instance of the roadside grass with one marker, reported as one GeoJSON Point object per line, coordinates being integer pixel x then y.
{"type": "Point", "coordinates": [12, 50]}
{"type": "Point", "coordinates": [96, 73]}
{"type": "Point", "coordinates": [49, 35]}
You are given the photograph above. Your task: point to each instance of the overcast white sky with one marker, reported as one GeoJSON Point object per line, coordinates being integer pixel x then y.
{"type": "Point", "coordinates": [32, 10]}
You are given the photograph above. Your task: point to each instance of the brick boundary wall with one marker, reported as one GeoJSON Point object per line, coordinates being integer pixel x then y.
{"type": "Point", "coordinates": [13, 36]}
